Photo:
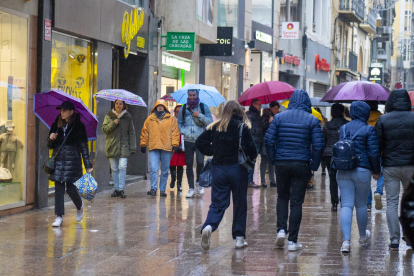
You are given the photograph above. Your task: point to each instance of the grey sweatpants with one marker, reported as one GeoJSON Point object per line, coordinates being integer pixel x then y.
{"type": "Point", "coordinates": [393, 176]}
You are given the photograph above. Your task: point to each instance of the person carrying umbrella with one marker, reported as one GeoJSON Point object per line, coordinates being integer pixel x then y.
{"type": "Point", "coordinates": [193, 119]}
{"type": "Point", "coordinates": [120, 143]}
{"type": "Point", "coordinates": [160, 133]}
{"type": "Point", "coordinates": [68, 164]}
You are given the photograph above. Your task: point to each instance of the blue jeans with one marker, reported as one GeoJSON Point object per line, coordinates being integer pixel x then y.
{"type": "Point", "coordinates": [379, 190]}
{"type": "Point", "coordinates": [118, 167]}
{"type": "Point", "coordinates": [354, 186]}
{"type": "Point", "coordinates": [155, 156]}
{"type": "Point", "coordinates": [251, 172]}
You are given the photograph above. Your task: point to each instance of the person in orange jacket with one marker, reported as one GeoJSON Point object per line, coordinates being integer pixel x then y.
{"type": "Point", "coordinates": [162, 136]}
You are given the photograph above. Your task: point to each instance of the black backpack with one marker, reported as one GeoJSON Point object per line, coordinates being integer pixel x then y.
{"type": "Point", "coordinates": [184, 109]}
{"type": "Point", "coordinates": [343, 155]}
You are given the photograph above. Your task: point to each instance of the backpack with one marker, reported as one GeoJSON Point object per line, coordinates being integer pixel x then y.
{"type": "Point", "coordinates": [343, 153]}
{"type": "Point", "coordinates": [184, 109]}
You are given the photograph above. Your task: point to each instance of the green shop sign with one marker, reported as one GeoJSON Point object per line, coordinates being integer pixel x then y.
{"type": "Point", "coordinates": [180, 41]}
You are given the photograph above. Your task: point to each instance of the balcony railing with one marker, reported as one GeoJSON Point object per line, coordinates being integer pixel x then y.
{"type": "Point", "coordinates": [353, 62]}
{"type": "Point", "coordinates": [353, 10]}
{"type": "Point", "coordinates": [372, 18]}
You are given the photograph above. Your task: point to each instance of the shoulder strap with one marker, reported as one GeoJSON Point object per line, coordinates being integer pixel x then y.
{"type": "Point", "coordinates": [64, 140]}
{"type": "Point", "coordinates": [356, 133]}
{"type": "Point", "coordinates": [240, 134]}
{"type": "Point", "coordinates": [184, 108]}
{"type": "Point", "coordinates": [202, 108]}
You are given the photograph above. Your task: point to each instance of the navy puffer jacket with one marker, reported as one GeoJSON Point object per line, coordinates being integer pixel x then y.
{"type": "Point", "coordinates": [296, 134]}
{"type": "Point", "coordinates": [365, 143]}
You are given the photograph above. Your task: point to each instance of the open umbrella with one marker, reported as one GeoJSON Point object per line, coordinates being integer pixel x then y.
{"type": "Point", "coordinates": [208, 95]}
{"type": "Point", "coordinates": [44, 106]}
{"type": "Point", "coordinates": [120, 94]}
{"type": "Point", "coordinates": [348, 92]}
{"type": "Point", "coordinates": [411, 93]}
{"type": "Point", "coordinates": [167, 98]}
{"type": "Point", "coordinates": [314, 111]}
{"type": "Point", "coordinates": [267, 92]}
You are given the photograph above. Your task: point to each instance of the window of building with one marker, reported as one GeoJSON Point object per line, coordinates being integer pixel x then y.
{"type": "Point", "coordinates": [133, 2]}
{"type": "Point", "coordinates": [262, 12]}
{"type": "Point", "coordinates": [205, 11]}
{"type": "Point", "coordinates": [407, 21]}
{"type": "Point", "coordinates": [13, 97]}
{"type": "Point", "coordinates": [228, 14]}
{"type": "Point", "coordinates": [295, 10]}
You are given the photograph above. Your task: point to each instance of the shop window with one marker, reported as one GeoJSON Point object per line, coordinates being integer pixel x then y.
{"type": "Point", "coordinates": [72, 71]}
{"type": "Point", "coordinates": [267, 63]}
{"type": "Point", "coordinates": [262, 12]}
{"type": "Point", "coordinates": [205, 11]}
{"type": "Point", "coordinates": [228, 14]}
{"type": "Point", "coordinates": [13, 97]}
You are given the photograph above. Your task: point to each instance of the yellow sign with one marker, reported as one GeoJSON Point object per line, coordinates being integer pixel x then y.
{"type": "Point", "coordinates": [131, 24]}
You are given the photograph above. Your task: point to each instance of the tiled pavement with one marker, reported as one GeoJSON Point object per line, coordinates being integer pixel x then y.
{"type": "Point", "coordinates": [140, 235]}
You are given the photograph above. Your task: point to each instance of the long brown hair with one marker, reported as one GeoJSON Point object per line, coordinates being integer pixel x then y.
{"type": "Point", "coordinates": [62, 123]}
{"type": "Point", "coordinates": [230, 109]}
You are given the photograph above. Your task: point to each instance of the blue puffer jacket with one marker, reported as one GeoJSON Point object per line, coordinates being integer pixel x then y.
{"type": "Point", "coordinates": [365, 143]}
{"type": "Point", "coordinates": [187, 126]}
{"type": "Point", "coordinates": [296, 134]}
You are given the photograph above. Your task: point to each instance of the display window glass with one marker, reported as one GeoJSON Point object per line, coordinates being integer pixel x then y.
{"type": "Point", "coordinates": [72, 71]}
{"type": "Point", "coordinates": [228, 14]}
{"type": "Point", "coordinates": [262, 12]}
{"type": "Point", "coordinates": [13, 98]}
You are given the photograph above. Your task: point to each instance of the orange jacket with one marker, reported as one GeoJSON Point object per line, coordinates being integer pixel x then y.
{"type": "Point", "coordinates": [373, 117]}
{"type": "Point", "coordinates": [160, 134]}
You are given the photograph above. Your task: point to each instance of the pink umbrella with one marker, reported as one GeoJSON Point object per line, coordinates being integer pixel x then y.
{"type": "Point", "coordinates": [267, 92]}
{"type": "Point", "coordinates": [167, 98]}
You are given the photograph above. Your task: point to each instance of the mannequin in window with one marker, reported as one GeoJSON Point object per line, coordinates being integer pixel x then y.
{"type": "Point", "coordinates": [9, 143]}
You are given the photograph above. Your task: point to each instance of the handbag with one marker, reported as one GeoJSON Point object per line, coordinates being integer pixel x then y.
{"type": "Point", "coordinates": [206, 175]}
{"type": "Point", "coordinates": [49, 165]}
{"type": "Point", "coordinates": [87, 186]}
{"type": "Point", "coordinates": [243, 159]}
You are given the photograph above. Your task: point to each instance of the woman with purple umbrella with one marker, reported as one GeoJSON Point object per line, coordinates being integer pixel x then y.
{"type": "Point", "coordinates": [68, 163]}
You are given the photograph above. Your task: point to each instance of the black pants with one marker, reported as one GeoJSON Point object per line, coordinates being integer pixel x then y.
{"type": "Point", "coordinates": [323, 165]}
{"type": "Point", "coordinates": [225, 179]}
{"type": "Point", "coordinates": [333, 185]}
{"type": "Point", "coordinates": [60, 200]}
{"type": "Point", "coordinates": [176, 171]}
{"type": "Point", "coordinates": [292, 178]}
{"type": "Point", "coordinates": [190, 149]}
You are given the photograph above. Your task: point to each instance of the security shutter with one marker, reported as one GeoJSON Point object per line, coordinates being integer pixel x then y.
{"type": "Point", "coordinates": [319, 90]}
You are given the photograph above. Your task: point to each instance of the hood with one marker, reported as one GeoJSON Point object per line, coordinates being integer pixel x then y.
{"type": "Point", "coordinates": [399, 100]}
{"type": "Point", "coordinates": [160, 102]}
{"type": "Point", "coordinates": [373, 117]}
{"type": "Point", "coordinates": [360, 111]}
{"type": "Point", "coordinates": [300, 100]}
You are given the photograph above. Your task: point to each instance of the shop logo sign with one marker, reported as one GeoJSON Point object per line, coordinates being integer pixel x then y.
{"type": "Point", "coordinates": [290, 30]}
{"type": "Point", "coordinates": [294, 60]}
{"type": "Point", "coordinates": [61, 81]}
{"type": "Point", "coordinates": [375, 74]}
{"type": "Point", "coordinates": [224, 45]}
{"type": "Point", "coordinates": [131, 24]}
{"type": "Point", "coordinates": [266, 38]}
{"type": "Point", "coordinates": [175, 62]}
{"type": "Point", "coordinates": [81, 58]}
{"type": "Point", "coordinates": [321, 64]}
{"type": "Point", "coordinates": [80, 81]}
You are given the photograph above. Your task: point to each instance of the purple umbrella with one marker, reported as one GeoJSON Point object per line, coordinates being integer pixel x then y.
{"type": "Point", "coordinates": [44, 106]}
{"type": "Point", "coordinates": [357, 91]}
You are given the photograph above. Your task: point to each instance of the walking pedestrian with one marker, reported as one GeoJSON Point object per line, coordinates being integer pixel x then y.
{"type": "Point", "coordinates": [221, 139]}
{"type": "Point", "coordinates": [265, 163]}
{"type": "Point", "coordinates": [177, 161]}
{"type": "Point", "coordinates": [331, 136]}
{"type": "Point", "coordinates": [160, 133]}
{"type": "Point", "coordinates": [193, 119]}
{"type": "Point", "coordinates": [257, 132]}
{"type": "Point", "coordinates": [294, 143]}
{"type": "Point", "coordinates": [395, 131]}
{"type": "Point", "coordinates": [120, 143]}
{"type": "Point", "coordinates": [407, 211]}
{"type": "Point", "coordinates": [355, 184]}
{"type": "Point", "coordinates": [68, 162]}
{"type": "Point", "coordinates": [373, 118]}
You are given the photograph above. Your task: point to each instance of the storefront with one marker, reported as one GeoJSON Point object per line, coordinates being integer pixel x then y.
{"type": "Point", "coordinates": [17, 84]}
{"type": "Point", "coordinates": [290, 69]}
{"type": "Point", "coordinates": [261, 62]}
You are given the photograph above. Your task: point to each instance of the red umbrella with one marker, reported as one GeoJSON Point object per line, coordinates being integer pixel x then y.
{"type": "Point", "coordinates": [267, 92]}
{"type": "Point", "coordinates": [167, 98]}
{"type": "Point", "coordinates": [411, 93]}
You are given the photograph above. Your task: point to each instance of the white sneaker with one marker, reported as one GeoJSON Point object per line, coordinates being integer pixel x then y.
{"type": "Point", "coordinates": [79, 214]}
{"type": "Point", "coordinates": [240, 242]}
{"type": "Point", "coordinates": [364, 240]}
{"type": "Point", "coordinates": [205, 237]}
{"type": "Point", "coordinates": [191, 193]}
{"type": "Point", "coordinates": [200, 189]}
{"type": "Point", "coordinates": [280, 239]}
{"type": "Point", "coordinates": [294, 246]}
{"type": "Point", "coordinates": [346, 247]}
{"type": "Point", "coordinates": [58, 222]}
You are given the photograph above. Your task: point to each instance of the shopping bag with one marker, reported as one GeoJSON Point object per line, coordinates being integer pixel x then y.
{"type": "Point", "coordinates": [206, 175]}
{"type": "Point", "coordinates": [87, 186]}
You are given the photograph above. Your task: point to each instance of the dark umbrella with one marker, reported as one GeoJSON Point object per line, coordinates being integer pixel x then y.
{"type": "Point", "coordinates": [267, 92]}
{"type": "Point", "coordinates": [348, 92]}
{"type": "Point", "coordinates": [44, 106]}
{"type": "Point", "coordinates": [168, 98]}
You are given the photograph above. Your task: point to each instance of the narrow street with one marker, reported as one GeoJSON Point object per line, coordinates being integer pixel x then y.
{"type": "Point", "coordinates": [141, 235]}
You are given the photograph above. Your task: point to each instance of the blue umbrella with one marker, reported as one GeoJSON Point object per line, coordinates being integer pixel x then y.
{"type": "Point", "coordinates": [209, 95]}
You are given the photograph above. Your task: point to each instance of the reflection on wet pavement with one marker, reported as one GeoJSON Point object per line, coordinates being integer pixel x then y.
{"type": "Point", "coordinates": [141, 235]}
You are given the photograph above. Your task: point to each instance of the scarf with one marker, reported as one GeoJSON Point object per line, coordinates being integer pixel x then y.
{"type": "Point", "coordinates": [193, 103]}
{"type": "Point", "coordinates": [160, 114]}
{"type": "Point", "coordinates": [120, 114]}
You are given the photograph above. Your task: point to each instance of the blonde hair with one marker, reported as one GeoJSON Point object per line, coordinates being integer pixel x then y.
{"type": "Point", "coordinates": [230, 109]}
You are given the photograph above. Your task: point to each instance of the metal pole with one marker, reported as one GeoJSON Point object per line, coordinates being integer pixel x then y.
{"type": "Point", "coordinates": [288, 10]}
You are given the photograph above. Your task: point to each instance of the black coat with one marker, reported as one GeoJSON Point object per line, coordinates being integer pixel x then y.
{"type": "Point", "coordinates": [224, 145]}
{"type": "Point", "coordinates": [257, 128]}
{"type": "Point", "coordinates": [331, 133]}
{"type": "Point", "coordinates": [395, 131]}
{"type": "Point", "coordinates": [68, 163]}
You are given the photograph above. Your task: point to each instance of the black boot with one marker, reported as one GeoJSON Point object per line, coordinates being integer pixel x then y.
{"type": "Point", "coordinates": [172, 184]}
{"type": "Point", "coordinates": [122, 194]}
{"type": "Point", "coordinates": [115, 194]}
{"type": "Point", "coordinates": [179, 186]}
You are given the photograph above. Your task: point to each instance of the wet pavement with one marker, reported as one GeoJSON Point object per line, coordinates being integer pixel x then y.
{"type": "Point", "coordinates": [141, 235]}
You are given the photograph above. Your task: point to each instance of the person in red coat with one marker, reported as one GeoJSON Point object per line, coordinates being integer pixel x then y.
{"type": "Point", "coordinates": [178, 161]}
